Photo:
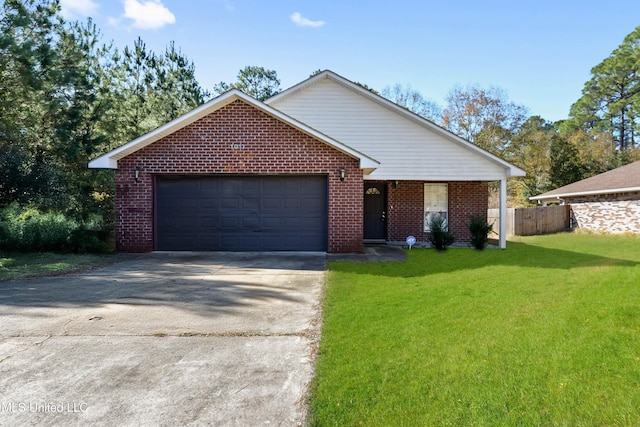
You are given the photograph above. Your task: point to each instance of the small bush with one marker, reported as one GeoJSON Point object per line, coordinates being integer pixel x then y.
{"type": "Point", "coordinates": [30, 230]}
{"type": "Point", "coordinates": [439, 236]}
{"type": "Point", "coordinates": [91, 236]}
{"type": "Point", "coordinates": [480, 230]}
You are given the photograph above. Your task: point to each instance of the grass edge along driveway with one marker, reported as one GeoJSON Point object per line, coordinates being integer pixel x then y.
{"type": "Point", "coordinates": [19, 265]}
{"type": "Point", "coordinates": [546, 332]}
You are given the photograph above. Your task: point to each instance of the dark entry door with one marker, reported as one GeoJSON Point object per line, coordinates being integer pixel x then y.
{"type": "Point", "coordinates": [375, 210]}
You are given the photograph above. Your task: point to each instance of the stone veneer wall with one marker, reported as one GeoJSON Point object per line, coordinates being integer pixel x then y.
{"type": "Point", "coordinates": [612, 213]}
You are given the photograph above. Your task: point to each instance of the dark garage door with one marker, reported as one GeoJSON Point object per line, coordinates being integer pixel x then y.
{"type": "Point", "coordinates": [241, 213]}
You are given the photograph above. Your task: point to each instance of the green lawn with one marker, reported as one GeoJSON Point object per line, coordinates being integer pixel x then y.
{"type": "Point", "coordinates": [20, 265]}
{"type": "Point", "coordinates": [544, 333]}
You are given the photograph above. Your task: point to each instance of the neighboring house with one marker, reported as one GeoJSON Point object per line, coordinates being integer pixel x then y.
{"type": "Point", "coordinates": [608, 202]}
{"type": "Point", "coordinates": [323, 166]}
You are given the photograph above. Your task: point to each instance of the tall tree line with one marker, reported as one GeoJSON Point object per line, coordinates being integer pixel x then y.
{"type": "Point", "coordinates": [610, 100]}
{"type": "Point", "coordinates": [67, 96]}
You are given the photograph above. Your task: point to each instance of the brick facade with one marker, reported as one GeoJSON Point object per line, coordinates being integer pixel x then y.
{"type": "Point", "coordinates": [614, 213]}
{"type": "Point", "coordinates": [240, 139]}
{"type": "Point", "coordinates": [237, 139]}
{"type": "Point", "coordinates": [406, 208]}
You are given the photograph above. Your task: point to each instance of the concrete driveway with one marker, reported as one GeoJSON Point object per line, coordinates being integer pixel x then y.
{"type": "Point", "coordinates": [163, 339]}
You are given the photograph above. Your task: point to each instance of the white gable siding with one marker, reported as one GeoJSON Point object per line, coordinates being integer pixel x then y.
{"type": "Point", "coordinates": [405, 149]}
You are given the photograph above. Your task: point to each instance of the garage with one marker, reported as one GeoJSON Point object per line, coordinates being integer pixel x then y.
{"type": "Point", "coordinates": [241, 213]}
{"type": "Point", "coordinates": [237, 175]}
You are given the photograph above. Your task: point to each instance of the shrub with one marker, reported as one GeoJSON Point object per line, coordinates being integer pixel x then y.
{"type": "Point", "coordinates": [439, 236]}
{"type": "Point", "coordinates": [92, 235]}
{"type": "Point", "coordinates": [28, 229]}
{"type": "Point", "coordinates": [480, 230]}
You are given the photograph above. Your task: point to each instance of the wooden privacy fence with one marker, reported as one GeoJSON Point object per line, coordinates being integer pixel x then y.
{"type": "Point", "coordinates": [533, 221]}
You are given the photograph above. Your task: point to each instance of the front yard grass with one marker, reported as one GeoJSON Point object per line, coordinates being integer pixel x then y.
{"type": "Point", "coordinates": [546, 332]}
{"type": "Point", "coordinates": [18, 265]}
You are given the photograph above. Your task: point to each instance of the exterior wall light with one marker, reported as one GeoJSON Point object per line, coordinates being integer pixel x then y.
{"type": "Point", "coordinates": [137, 174]}
{"type": "Point", "coordinates": [342, 172]}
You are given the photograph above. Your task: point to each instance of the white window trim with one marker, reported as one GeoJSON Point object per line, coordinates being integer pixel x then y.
{"type": "Point", "coordinates": [435, 207]}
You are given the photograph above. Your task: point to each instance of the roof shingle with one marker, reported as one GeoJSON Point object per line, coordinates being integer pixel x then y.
{"type": "Point", "coordinates": [623, 179]}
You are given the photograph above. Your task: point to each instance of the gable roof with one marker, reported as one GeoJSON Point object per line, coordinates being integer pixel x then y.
{"type": "Point", "coordinates": [283, 98]}
{"type": "Point", "coordinates": [624, 179]}
{"type": "Point", "coordinates": [110, 159]}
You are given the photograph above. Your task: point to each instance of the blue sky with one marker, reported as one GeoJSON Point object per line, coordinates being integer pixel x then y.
{"type": "Point", "coordinates": [540, 52]}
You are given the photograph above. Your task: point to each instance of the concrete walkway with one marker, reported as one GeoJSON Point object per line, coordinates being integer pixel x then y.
{"type": "Point", "coordinates": [163, 339]}
{"type": "Point", "coordinates": [373, 253]}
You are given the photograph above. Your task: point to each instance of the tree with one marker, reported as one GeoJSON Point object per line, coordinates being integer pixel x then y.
{"type": "Point", "coordinates": [565, 163]}
{"type": "Point", "coordinates": [412, 100]}
{"type": "Point", "coordinates": [485, 117]}
{"type": "Point", "coordinates": [79, 122]}
{"type": "Point", "coordinates": [596, 152]}
{"type": "Point", "coordinates": [257, 82]}
{"type": "Point", "coordinates": [66, 97]}
{"type": "Point", "coordinates": [29, 101]}
{"type": "Point", "coordinates": [177, 89]}
{"type": "Point", "coordinates": [610, 100]}
{"type": "Point", "coordinates": [149, 89]}
{"type": "Point", "coordinates": [530, 150]}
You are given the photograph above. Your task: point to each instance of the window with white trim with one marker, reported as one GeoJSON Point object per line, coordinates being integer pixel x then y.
{"type": "Point", "coordinates": [436, 201]}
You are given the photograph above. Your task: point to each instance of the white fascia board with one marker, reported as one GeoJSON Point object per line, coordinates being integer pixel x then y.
{"type": "Point", "coordinates": [103, 162]}
{"type": "Point", "coordinates": [511, 170]}
{"type": "Point", "coordinates": [586, 193]}
{"type": "Point", "coordinates": [110, 159]}
{"type": "Point", "coordinates": [431, 177]}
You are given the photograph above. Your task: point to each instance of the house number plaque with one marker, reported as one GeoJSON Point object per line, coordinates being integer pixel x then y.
{"type": "Point", "coordinates": [237, 147]}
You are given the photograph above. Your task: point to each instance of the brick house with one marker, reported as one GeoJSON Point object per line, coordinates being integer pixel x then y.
{"type": "Point", "coordinates": [325, 166]}
{"type": "Point", "coordinates": [608, 202]}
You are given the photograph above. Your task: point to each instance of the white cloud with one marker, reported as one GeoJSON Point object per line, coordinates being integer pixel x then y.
{"type": "Point", "coordinates": [114, 22]}
{"type": "Point", "coordinates": [149, 14]}
{"type": "Point", "coordinates": [77, 8]}
{"type": "Point", "coordinates": [301, 21]}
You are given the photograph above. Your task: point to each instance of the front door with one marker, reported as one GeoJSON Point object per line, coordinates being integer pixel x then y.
{"type": "Point", "coordinates": [375, 210]}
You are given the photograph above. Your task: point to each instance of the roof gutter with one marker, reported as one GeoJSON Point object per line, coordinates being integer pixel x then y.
{"type": "Point", "coordinates": [587, 193]}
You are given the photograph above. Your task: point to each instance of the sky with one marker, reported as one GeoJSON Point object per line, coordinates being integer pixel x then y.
{"type": "Point", "coordinates": [541, 52]}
